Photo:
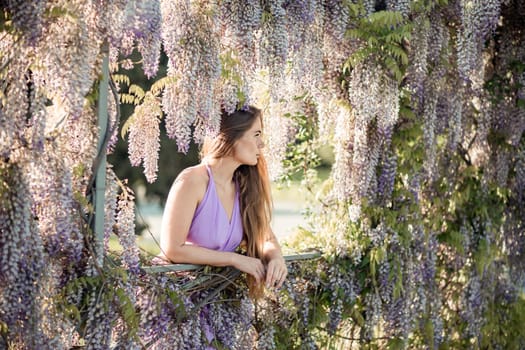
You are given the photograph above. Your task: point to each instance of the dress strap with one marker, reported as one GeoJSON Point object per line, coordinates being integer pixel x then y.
{"type": "Point", "coordinates": [210, 174]}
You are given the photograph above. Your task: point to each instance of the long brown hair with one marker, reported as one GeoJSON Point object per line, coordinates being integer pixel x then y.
{"type": "Point", "coordinates": [254, 185]}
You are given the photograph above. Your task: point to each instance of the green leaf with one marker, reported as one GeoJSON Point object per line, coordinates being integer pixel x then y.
{"type": "Point", "coordinates": [428, 331]}
{"type": "Point", "coordinates": [453, 238]}
{"type": "Point", "coordinates": [356, 10]}
{"type": "Point", "coordinates": [178, 303]}
{"type": "Point", "coordinates": [358, 317]}
{"type": "Point", "coordinates": [3, 327]}
{"type": "Point", "coordinates": [79, 170]}
{"type": "Point", "coordinates": [126, 125]}
{"type": "Point", "coordinates": [58, 11]}
{"type": "Point", "coordinates": [127, 98]}
{"type": "Point", "coordinates": [386, 18]}
{"type": "Point", "coordinates": [398, 286]}
{"type": "Point", "coordinates": [161, 84]}
{"type": "Point", "coordinates": [136, 90]}
{"type": "Point", "coordinates": [372, 41]}
{"type": "Point", "coordinates": [399, 53]}
{"type": "Point", "coordinates": [483, 256]}
{"type": "Point", "coordinates": [121, 79]}
{"type": "Point", "coordinates": [127, 311]}
{"type": "Point", "coordinates": [72, 312]}
{"type": "Point", "coordinates": [396, 344]}
{"type": "Point", "coordinates": [353, 34]}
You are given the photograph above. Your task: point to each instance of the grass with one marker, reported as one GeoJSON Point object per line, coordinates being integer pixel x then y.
{"type": "Point", "coordinates": [147, 246]}
{"type": "Point", "coordinates": [294, 190]}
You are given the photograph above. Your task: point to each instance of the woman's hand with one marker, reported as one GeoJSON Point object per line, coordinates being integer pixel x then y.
{"type": "Point", "coordinates": [252, 266]}
{"type": "Point", "coordinates": [276, 272]}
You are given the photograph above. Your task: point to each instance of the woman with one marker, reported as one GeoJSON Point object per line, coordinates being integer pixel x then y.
{"type": "Point", "coordinates": [224, 202]}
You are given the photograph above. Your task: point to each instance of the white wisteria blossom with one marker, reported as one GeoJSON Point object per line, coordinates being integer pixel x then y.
{"type": "Point", "coordinates": [144, 134]}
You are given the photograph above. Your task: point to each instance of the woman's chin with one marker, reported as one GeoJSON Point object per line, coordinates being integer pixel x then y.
{"type": "Point", "coordinates": [251, 163]}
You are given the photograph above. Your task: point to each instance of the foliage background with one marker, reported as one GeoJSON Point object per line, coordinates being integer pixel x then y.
{"type": "Point", "coordinates": [420, 223]}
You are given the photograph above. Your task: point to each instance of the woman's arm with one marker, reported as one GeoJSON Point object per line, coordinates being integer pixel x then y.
{"type": "Point", "coordinates": [181, 204]}
{"type": "Point", "coordinates": [276, 270]}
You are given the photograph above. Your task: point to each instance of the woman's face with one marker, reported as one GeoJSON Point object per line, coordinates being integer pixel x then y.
{"type": "Point", "coordinates": [248, 148]}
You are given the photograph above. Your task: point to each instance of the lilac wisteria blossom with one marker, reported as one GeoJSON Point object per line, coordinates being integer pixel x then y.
{"type": "Point", "coordinates": [419, 223]}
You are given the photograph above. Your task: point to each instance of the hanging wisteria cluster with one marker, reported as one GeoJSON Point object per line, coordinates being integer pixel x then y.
{"type": "Point", "coordinates": [420, 222]}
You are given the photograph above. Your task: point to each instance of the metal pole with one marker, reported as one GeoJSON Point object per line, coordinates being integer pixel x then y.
{"type": "Point", "coordinates": [190, 267]}
{"type": "Point", "coordinates": [100, 180]}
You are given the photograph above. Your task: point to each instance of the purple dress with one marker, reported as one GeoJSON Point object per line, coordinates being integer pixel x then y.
{"type": "Point", "coordinates": [210, 227]}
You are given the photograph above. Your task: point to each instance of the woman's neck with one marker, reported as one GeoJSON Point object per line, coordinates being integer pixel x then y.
{"type": "Point", "coordinates": [222, 168]}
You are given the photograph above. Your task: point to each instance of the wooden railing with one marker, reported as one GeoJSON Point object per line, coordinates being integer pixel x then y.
{"type": "Point", "coordinates": [190, 267]}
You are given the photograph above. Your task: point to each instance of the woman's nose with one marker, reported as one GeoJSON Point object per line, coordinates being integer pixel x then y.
{"type": "Point", "coordinates": [260, 144]}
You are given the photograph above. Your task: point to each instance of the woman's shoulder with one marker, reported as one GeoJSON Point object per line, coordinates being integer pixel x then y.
{"type": "Point", "coordinates": [193, 179]}
{"type": "Point", "coordinates": [193, 175]}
